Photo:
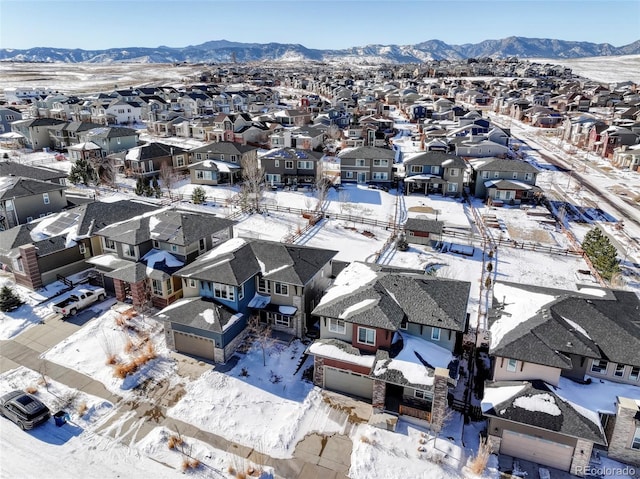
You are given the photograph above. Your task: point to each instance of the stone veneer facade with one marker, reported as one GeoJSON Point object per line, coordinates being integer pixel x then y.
{"type": "Point", "coordinates": [581, 457]}
{"type": "Point", "coordinates": [31, 277]}
{"type": "Point", "coordinates": [627, 419]}
{"type": "Point", "coordinates": [440, 393]}
{"type": "Point", "coordinates": [318, 371]}
{"type": "Point", "coordinates": [379, 394]}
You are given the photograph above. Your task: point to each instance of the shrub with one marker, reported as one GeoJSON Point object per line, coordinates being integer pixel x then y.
{"type": "Point", "coordinates": [82, 408]}
{"type": "Point", "coordinates": [111, 359]}
{"type": "Point", "coordinates": [479, 462]}
{"type": "Point", "coordinates": [602, 253]}
{"type": "Point", "coordinates": [31, 390]}
{"type": "Point", "coordinates": [190, 463]}
{"type": "Point", "coordinates": [9, 300]}
{"type": "Point", "coordinates": [174, 441]}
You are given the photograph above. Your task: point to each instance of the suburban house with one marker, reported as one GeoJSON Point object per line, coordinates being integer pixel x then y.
{"type": "Point", "coordinates": [547, 344]}
{"type": "Point", "coordinates": [36, 131]}
{"type": "Point", "coordinates": [11, 168]}
{"type": "Point", "coordinates": [280, 283]}
{"type": "Point", "coordinates": [507, 181]}
{"type": "Point", "coordinates": [141, 254]}
{"type": "Point", "coordinates": [390, 335]}
{"type": "Point", "coordinates": [215, 172]}
{"type": "Point", "coordinates": [147, 160]}
{"type": "Point", "coordinates": [110, 139]}
{"type": "Point", "coordinates": [61, 244]}
{"type": "Point", "coordinates": [226, 151]}
{"type": "Point", "coordinates": [290, 166]}
{"type": "Point", "coordinates": [366, 164]}
{"type": "Point", "coordinates": [434, 172]}
{"type": "Point", "coordinates": [24, 199]}
{"type": "Point", "coordinates": [8, 116]}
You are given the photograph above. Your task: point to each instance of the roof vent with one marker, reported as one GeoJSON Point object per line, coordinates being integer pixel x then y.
{"type": "Point", "coordinates": [569, 344]}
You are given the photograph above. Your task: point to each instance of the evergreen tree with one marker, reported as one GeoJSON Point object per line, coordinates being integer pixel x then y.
{"type": "Point", "coordinates": [198, 195]}
{"type": "Point", "coordinates": [9, 300]}
{"type": "Point", "coordinates": [83, 172]}
{"type": "Point", "coordinates": [601, 252]}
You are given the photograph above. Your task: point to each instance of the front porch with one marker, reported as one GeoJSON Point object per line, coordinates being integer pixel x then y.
{"type": "Point", "coordinates": [427, 184]}
{"type": "Point", "coordinates": [400, 404]}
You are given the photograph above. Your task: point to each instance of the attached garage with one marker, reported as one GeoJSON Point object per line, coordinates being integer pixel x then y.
{"type": "Point", "coordinates": [538, 450]}
{"type": "Point", "coordinates": [348, 382]}
{"type": "Point", "coordinates": [194, 345]}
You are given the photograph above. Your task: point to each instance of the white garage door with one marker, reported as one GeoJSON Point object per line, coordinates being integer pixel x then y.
{"type": "Point", "coordinates": [537, 450]}
{"type": "Point", "coordinates": [348, 382]}
{"type": "Point", "coordinates": [194, 345]}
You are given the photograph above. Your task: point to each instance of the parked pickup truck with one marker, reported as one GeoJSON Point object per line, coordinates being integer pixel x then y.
{"type": "Point", "coordinates": [80, 299]}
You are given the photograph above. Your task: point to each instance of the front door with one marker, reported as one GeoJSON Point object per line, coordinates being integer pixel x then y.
{"type": "Point", "coordinates": [362, 177]}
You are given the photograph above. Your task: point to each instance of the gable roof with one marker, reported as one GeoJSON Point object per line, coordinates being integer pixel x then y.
{"type": "Point", "coordinates": [238, 259]}
{"type": "Point", "coordinates": [367, 152]}
{"type": "Point", "coordinates": [223, 147]}
{"type": "Point", "coordinates": [11, 168]}
{"type": "Point", "coordinates": [536, 404]}
{"type": "Point", "coordinates": [19, 187]}
{"type": "Point", "coordinates": [499, 164]}
{"type": "Point", "coordinates": [565, 323]}
{"type": "Point", "coordinates": [436, 158]}
{"type": "Point", "coordinates": [427, 226]}
{"type": "Point", "coordinates": [383, 297]}
{"type": "Point", "coordinates": [199, 313]}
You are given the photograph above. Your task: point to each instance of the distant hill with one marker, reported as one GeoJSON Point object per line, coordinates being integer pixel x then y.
{"type": "Point", "coordinates": [222, 51]}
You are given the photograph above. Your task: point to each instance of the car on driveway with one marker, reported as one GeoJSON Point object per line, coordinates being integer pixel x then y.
{"type": "Point", "coordinates": [24, 409]}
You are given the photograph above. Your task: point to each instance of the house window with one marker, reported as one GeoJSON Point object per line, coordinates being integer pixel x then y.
{"type": "Point", "coordinates": [156, 287]}
{"type": "Point", "coordinates": [156, 244]}
{"type": "Point", "coordinates": [174, 248]}
{"type": "Point", "coordinates": [360, 162]}
{"type": "Point", "coordinates": [420, 394]}
{"type": "Point", "coordinates": [129, 250]}
{"type": "Point", "coordinates": [109, 244]}
{"type": "Point", "coordinates": [635, 443]}
{"type": "Point", "coordinates": [634, 374]}
{"type": "Point", "coordinates": [452, 187]}
{"type": "Point", "coordinates": [202, 244]}
{"type": "Point", "coordinates": [496, 174]}
{"type": "Point", "coordinates": [192, 283]}
{"type": "Point", "coordinates": [8, 205]}
{"type": "Point", "coordinates": [367, 336]}
{"type": "Point", "coordinates": [180, 160]}
{"type": "Point", "coordinates": [337, 326]}
{"type": "Point", "coordinates": [404, 324]}
{"type": "Point", "coordinates": [224, 291]}
{"type": "Point", "coordinates": [485, 175]}
{"type": "Point", "coordinates": [515, 175]}
{"type": "Point", "coordinates": [198, 156]}
{"type": "Point", "coordinates": [82, 248]}
{"type": "Point", "coordinates": [619, 372]}
{"type": "Point", "coordinates": [379, 176]}
{"type": "Point", "coordinates": [507, 194]}
{"type": "Point", "coordinates": [380, 162]}
{"type": "Point", "coordinates": [288, 165]}
{"type": "Point", "coordinates": [263, 286]}
{"type": "Point", "coordinates": [528, 177]}
{"type": "Point", "coordinates": [276, 163]}
{"type": "Point", "coordinates": [453, 171]}
{"type": "Point", "coordinates": [281, 289]}
{"type": "Point", "coordinates": [512, 365]}
{"type": "Point", "coordinates": [305, 165]}
{"type": "Point", "coordinates": [435, 334]}
{"type": "Point", "coordinates": [348, 174]}
{"type": "Point", "coordinates": [279, 319]}
{"type": "Point", "coordinates": [18, 265]}
{"type": "Point", "coordinates": [45, 198]}
{"type": "Point", "coordinates": [169, 286]}
{"type": "Point", "coordinates": [435, 170]}
{"type": "Point", "coordinates": [599, 366]}
{"type": "Point", "coordinates": [416, 168]}
{"type": "Point", "coordinates": [272, 179]}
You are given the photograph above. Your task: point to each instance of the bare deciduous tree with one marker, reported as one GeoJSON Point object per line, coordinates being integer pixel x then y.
{"type": "Point", "coordinates": [253, 182]}
{"type": "Point", "coordinates": [168, 177]}
{"type": "Point", "coordinates": [261, 333]}
{"type": "Point", "coordinates": [322, 186]}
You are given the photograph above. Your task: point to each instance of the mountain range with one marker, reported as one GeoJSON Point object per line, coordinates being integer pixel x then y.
{"type": "Point", "coordinates": [223, 51]}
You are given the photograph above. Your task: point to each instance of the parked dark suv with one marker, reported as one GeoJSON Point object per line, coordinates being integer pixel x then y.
{"type": "Point", "coordinates": [24, 409]}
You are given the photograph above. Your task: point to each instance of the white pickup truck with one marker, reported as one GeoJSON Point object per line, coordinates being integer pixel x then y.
{"type": "Point", "coordinates": [80, 299]}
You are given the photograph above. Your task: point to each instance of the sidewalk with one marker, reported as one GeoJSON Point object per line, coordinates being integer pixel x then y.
{"type": "Point", "coordinates": [332, 461]}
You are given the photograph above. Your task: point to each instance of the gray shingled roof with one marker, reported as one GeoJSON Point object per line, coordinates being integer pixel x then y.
{"type": "Point", "coordinates": [427, 226]}
{"type": "Point", "coordinates": [436, 158]}
{"type": "Point", "coordinates": [549, 336]}
{"type": "Point", "coordinates": [223, 147]}
{"type": "Point", "coordinates": [393, 296]}
{"type": "Point", "coordinates": [367, 152]}
{"type": "Point", "coordinates": [18, 187]}
{"type": "Point", "coordinates": [569, 422]}
{"type": "Point", "coordinates": [280, 262]}
{"type": "Point", "coordinates": [190, 312]}
{"type": "Point", "coordinates": [131, 273]}
{"type": "Point", "coordinates": [11, 168]}
{"type": "Point", "coordinates": [499, 164]}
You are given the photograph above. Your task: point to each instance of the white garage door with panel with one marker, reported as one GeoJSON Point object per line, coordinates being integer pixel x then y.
{"type": "Point", "coordinates": [348, 382]}
{"type": "Point", "coordinates": [537, 450]}
{"type": "Point", "coordinates": [195, 345]}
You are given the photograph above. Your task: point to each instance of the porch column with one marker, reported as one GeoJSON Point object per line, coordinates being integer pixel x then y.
{"type": "Point", "coordinates": [440, 392]}
{"type": "Point", "coordinates": [318, 371]}
{"type": "Point", "coordinates": [31, 277]}
{"type": "Point", "coordinates": [120, 289]}
{"type": "Point", "coordinates": [138, 295]}
{"type": "Point", "coordinates": [581, 457]}
{"type": "Point", "coordinates": [379, 394]}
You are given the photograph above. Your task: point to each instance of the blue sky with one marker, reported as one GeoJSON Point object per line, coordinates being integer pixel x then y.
{"type": "Point", "coordinates": [324, 24]}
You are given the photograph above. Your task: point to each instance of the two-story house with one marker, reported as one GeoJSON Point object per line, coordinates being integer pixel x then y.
{"type": "Point", "coordinates": [110, 139]}
{"type": "Point", "coordinates": [545, 344]}
{"type": "Point", "coordinates": [226, 151]}
{"type": "Point", "coordinates": [36, 131]}
{"type": "Point", "coordinates": [147, 160]}
{"type": "Point", "coordinates": [501, 180]}
{"type": "Point", "coordinates": [390, 335]}
{"type": "Point", "coordinates": [8, 116]}
{"type": "Point", "coordinates": [434, 172]}
{"type": "Point", "coordinates": [280, 283]}
{"type": "Point", "coordinates": [366, 164]}
{"type": "Point", "coordinates": [24, 199]}
{"type": "Point", "coordinates": [140, 255]}
{"type": "Point", "coordinates": [290, 166]}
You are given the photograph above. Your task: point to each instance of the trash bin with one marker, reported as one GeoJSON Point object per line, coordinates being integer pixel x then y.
{"type": "Point", "coordinates": [61, 417]}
